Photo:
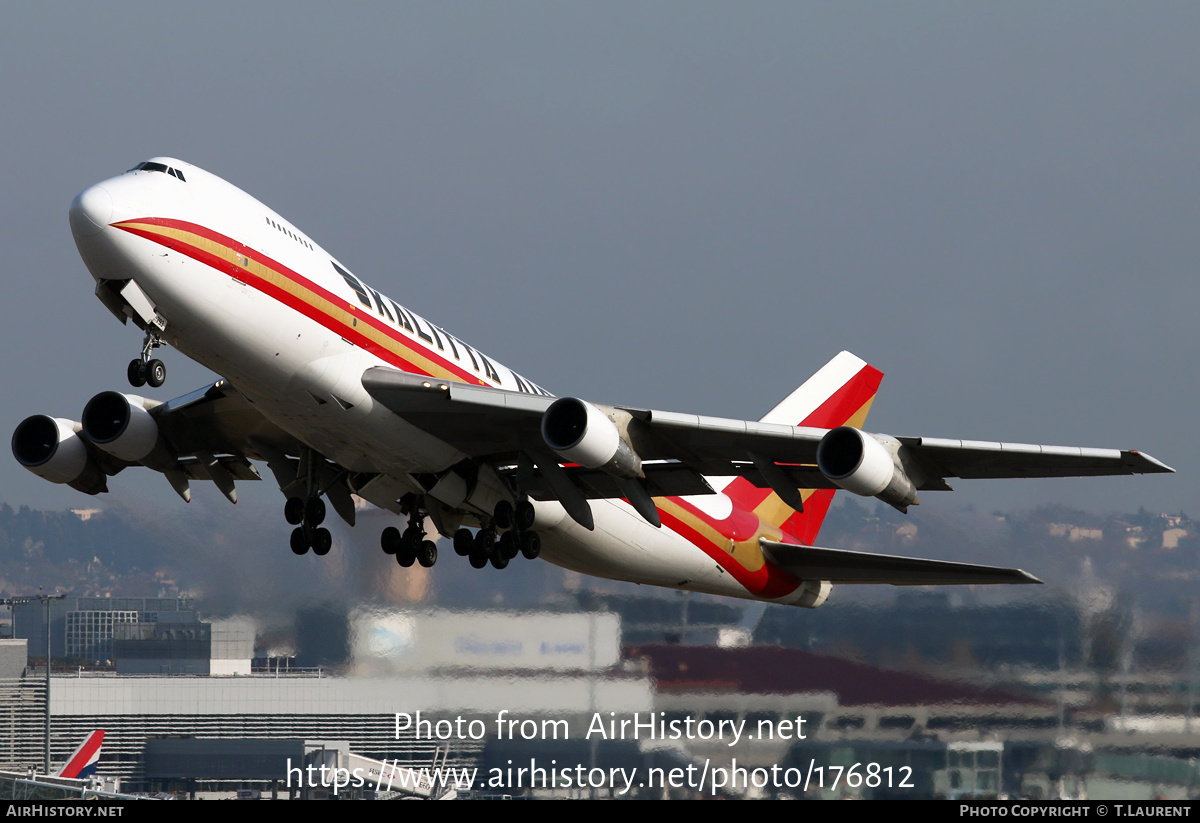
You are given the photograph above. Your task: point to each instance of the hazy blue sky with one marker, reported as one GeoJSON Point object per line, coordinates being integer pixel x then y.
{"type": "Point", "coordinates": [679, 205]}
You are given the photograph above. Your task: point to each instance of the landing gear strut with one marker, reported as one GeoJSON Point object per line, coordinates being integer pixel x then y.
{"type": "Point", "coordinates": [145, 370]}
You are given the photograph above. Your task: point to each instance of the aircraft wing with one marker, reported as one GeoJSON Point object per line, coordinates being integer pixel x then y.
{"type": "Point", "coordinates": [218, 419]}
{"type": "Point", "coordinates": [209, 434]}
{"type": "Point", "coordinates": [672, 453]}
{"type": "Point", "coordinates": [973, 459]}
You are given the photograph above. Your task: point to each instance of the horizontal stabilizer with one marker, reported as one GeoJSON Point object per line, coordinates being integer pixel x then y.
{"type": "Point", "coordinates": [841, 566]}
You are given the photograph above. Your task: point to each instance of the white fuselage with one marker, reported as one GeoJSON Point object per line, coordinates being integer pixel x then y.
{"type": "Point", "coordinates": [255, 300]}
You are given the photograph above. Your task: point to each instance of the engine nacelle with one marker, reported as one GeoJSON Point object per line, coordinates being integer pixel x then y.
{"type": "Point", "coordinates": [51, 448]}
{"type": "Point", "coordinates": [120, 425]}
{"type": "Point", "coordinates": [867, 465]}
{"type": "Point", "coordinates": [578, 432]}
{"type": "Point", "coordinates": [811, 595]}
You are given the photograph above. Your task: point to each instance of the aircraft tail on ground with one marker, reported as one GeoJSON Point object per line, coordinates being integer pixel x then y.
{"type": "Point", "coordinates": [82, 762]}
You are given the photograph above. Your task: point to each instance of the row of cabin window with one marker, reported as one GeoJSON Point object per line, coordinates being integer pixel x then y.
{"type": "Point", "coordinates": [384, 305]}
{"type": "Point", "coordinates": [290, 234]}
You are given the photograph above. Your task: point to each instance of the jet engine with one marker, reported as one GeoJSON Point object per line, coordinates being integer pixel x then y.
{"type": "Point", "coordinates": [579, 432]}
{"type": "Point", "coordinates": [866, 464]}
{"type": "Point", "coordinates": [51, 448]}
{"type": "Point", "coordinates": [120, 425]}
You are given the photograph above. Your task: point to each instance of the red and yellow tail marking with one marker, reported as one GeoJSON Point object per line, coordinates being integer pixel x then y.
{"type": "Point", "coordinates": [733, 542]}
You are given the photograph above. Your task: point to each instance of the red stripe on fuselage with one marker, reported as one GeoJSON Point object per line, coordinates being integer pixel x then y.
{"type": "Point", "coordinates": [768, 582]}
{"type": "Point", "coordinates": [304, 307]}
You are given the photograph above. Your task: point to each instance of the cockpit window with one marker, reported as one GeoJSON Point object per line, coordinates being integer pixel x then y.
{"type": "Point", "coordinates": [149, 166]}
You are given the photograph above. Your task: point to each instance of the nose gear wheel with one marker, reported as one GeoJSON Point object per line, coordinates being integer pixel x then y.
{"type": "Point", "coordinates": [147, 369]}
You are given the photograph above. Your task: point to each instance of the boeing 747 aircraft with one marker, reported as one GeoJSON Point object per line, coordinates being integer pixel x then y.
{"type": "Point", "coordinates": [342, 391]}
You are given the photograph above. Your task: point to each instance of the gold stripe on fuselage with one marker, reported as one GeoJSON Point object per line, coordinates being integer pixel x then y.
{"type": "Point", "coordinates": [339, 316]}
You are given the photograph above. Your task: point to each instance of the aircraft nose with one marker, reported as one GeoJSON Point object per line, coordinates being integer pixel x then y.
{"type": "Point", "coordinates": [91, 211]}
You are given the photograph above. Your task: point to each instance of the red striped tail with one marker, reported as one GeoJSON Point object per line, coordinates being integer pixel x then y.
{"type": "Point", "coordinates": [840, 394]}
{"type": "Point", "coordinates": [82, 762]}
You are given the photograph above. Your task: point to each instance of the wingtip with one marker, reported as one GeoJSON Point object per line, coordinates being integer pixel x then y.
{"type": "Point", "coordinates": [1156, 465]}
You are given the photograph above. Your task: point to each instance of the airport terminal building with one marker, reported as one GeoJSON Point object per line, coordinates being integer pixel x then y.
{"type": "Point", "coordinates": [433, 666]}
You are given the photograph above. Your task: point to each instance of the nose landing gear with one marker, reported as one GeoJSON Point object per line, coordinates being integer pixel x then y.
{"type": "Point", "coordinates": [145, 370]}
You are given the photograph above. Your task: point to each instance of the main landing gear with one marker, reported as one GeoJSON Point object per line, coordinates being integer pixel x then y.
{"type": "Point", "coordinates": [144, 370]}
{"type": "Point", "coordinates": [410, 547]}
{"type": "Point", "coordinates": [308, 514]}
{"type": "Point", "coordinates": [484, 546]}
{"type": "Point", "coordinates": [480, 548]}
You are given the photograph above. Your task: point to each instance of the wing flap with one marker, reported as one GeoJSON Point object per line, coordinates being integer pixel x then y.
{"type": "Point", "coordinates": [661, 480]}
{"type": "Point", "coordinates": [842, 566]}
{"type": "Point", "coordinates": [239, 468]}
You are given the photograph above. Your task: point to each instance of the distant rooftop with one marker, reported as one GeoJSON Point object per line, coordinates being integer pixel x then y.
{"type": "Point", "coordinates": [773, 670]}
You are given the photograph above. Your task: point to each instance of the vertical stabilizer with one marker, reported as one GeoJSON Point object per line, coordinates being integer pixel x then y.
{"type": "Point", "coordinates": [840, 394]}
{"type": "Point", "coordinates": [82, 762]}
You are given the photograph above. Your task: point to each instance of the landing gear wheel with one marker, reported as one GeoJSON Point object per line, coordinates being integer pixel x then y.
{"type": "Point", "coordinates": [314, 511]}
{"type": "Point", "coordinates": [411, 540]}
{"type": "Point", "coordinates": [499, 560]}
{"type": "Point", "coordinates": [322, 542]}
{"type": "Point", "coordinates": [293, 511]}
{"type": "Point", "coordinates": [299, 542]}
{"type": "Point", "coordinates": [406, 556]}
{"type": "Point", "coordinates": [427, 554]}
{"type": "Point", "coordinates": [503, 515]}
{"type": "Point", "coordinates": [506, 546]}
{"type": "Point", "coordinates": [136, 373]}
{"type": "Point", "coordinates": [483, 549]}
{"type": "Point", "coordinates": [463, 541]}
{"type": "Point", "coordinates": [525, 516]}
{"type": "Point", "coordinates": [156, 373]}
{"type": "Point", "coordinates": [389, 541]}
{"type": "Point", "coordinates": [531, 545]}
